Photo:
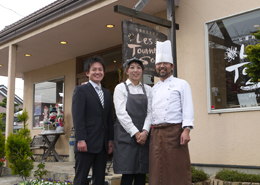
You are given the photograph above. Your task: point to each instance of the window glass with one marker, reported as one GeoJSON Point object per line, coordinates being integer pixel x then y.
{"type": "Point", "coordinates": [230, 86]}
{"type": "Point", "coordinates": [47, 95]}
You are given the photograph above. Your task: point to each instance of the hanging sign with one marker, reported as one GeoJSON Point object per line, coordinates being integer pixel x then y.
{"type": "Point", "coordinates": [140, 41]}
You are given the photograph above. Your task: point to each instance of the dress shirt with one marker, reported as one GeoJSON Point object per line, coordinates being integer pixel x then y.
{"type": "Point", "coordinates": [95, 85]}
{"type": "Point", "coordinates": [120, 99]}
{"type": "Point", "coordinates": [171, 102]}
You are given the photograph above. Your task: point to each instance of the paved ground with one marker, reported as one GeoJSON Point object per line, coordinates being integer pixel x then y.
{"type": "Point", "coordinates": [56, 170]}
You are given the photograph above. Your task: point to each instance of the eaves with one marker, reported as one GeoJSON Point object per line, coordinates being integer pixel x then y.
{"type": "Point", "coordinates": [44, 16]}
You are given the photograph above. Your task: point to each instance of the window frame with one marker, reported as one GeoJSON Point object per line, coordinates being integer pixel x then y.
{"type": "Point", "coordinates": [207, 57]}
{"type": "Point", "coordinates": [33, 102]}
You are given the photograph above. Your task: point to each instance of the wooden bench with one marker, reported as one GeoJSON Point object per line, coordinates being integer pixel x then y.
{"type": "Point", "coordinates": [38, 142]}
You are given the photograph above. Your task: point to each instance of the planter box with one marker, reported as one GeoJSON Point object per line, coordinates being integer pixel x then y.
{"type": "Point", "coordinates": [214, 181]}
{"type": "Point", "coordinates": [207, 182]}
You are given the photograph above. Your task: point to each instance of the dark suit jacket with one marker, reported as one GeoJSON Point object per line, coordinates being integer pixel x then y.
{"type": "Point", "coordinates": [91, 121]}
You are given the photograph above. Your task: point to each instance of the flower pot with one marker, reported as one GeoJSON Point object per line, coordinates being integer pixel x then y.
{"type": "Point", "coordinates": [215, 181]}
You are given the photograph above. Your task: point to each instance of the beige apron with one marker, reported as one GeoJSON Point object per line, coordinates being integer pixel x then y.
{"type": "Point", "coordinates": [169, 162]}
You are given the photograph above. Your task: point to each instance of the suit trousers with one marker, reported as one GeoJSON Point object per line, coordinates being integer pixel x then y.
{"type": "Point", "coordinates": [84, 161]}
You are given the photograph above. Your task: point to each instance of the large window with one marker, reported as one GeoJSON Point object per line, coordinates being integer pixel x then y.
{"type": "Point", "coordinates": [229, 87]}
{"type": "Point", "coordinates": [47, 95]}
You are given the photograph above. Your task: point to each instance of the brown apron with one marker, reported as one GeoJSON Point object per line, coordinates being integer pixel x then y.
{"type": "Point", "coordinates": [169, 162]}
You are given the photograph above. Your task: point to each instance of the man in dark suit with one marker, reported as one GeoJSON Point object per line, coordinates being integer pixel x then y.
{"type": "Point", "coordinates": [92, 115]}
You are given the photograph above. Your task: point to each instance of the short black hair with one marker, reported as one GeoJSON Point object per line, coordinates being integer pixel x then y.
{"type": "Point", "coordinates": [92, 60]}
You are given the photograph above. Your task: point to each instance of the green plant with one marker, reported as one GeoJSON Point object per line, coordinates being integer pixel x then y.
{"type": "Point", "coordinates": [46, 182]}
{"type": "Point", "coordinates": [2, 162]}
{"type": "Point", "coordinates": [147, 178]}
{"type": "Point", "coordinates": [25, 131]}
{"type": "Point", "coordinates": [2, 123]}
{"type": "Point", "coordinates": [40, 172]}
{"type": "Point", "coordinates": [2, 149]}
{"type": "Point", "coordinates": [4, 104]}
{"type": "Point", "coordinates": [18, 154]}
{"type": "Point", "coordinates": [18, 150]}
{"type": "Point", "coordinates": [2, 145]}
{"type": "Point", "coordinates": [23, 118]}
{"type": "Point", "coordinates": [236, 176]}
{"type": "Point", "coordinates": [253, 54]}
{"type": "Point", "coordinates": [198, 175]}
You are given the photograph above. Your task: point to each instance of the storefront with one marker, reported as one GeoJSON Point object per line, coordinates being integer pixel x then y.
{"type": "Point", "coordinates": [210, 57]}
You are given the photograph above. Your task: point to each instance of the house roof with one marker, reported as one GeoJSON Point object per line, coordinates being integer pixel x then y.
{"type": "Point", "coordinates": [45, 14]}
{"type": "Point", "coordinates": [79, 22]}
{"type": "Point", "coordinates": [30, 16]}
{"type": "Point", "coordinates": [3, 91]}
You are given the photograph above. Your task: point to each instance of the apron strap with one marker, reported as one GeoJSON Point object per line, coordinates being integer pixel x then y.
{"type": "Point", "coordinates": [144, 90]}
{"type": "Point", "coordinates": [127, 89]}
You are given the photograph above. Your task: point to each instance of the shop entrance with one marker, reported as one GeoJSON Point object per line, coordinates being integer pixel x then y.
{"type": "Point", "coordinates": [113, 73]}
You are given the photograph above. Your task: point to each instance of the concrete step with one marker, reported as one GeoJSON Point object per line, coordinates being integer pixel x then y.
{"type": "Point", "coordinates": [58, 171]}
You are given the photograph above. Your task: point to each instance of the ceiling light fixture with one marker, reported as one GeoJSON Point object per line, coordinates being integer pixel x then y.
{"type": "Point", "coordinates": [1, 65]}
{"type": "Point", "coordinates": [114, 61]}
{"type": "Point", "coordinates": [27, 55]}
{"type": "Point", "coordinates": [256, 26]}
{"type": "Point", "coordinates": [110, 26]}
{"type": "Point", "coordinates": [63, 42]}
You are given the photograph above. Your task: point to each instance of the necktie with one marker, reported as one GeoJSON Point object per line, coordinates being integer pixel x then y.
{"type": "Point", "coordinates": [100, 95]}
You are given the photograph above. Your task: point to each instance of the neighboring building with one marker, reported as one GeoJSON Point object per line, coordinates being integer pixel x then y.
{"type": "Point", "coordinates": [3, 94]}
{"type": "Point", "coordinates": [210, 50]}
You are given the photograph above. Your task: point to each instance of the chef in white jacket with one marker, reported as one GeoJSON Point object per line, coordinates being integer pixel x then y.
{"type": "Point", "coordinates": [171, 121]}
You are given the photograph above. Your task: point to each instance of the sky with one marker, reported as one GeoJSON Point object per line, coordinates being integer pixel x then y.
{"type": "Point", "coordinates": [12, 11]}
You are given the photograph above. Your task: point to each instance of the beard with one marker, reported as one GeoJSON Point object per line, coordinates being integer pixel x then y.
{"type": "Point", "coordinates": [166, 74]}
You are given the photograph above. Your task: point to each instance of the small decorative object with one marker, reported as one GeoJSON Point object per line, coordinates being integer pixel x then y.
{"type": "Point", "coordinates": [55, 123]}
{"type": "Point", "coordinates": [49, 126]}
{"type": "Point", "coordinates": [45, 114]}
{"type": "Point", "coordinates": [60, 118]}
{"type": "Point", "coordinates": [53, 115]}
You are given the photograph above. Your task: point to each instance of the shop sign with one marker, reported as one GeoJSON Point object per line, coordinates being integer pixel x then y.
{"type": "Point", "coordinates": [140, 41]}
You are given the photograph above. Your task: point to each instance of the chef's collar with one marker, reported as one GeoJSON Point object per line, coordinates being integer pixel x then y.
{"type": "Point", "coordinates": [170, 78]}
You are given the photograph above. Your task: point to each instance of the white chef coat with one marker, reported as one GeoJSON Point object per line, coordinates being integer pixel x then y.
{"type": "Point", "coordinates": [171, 102]}
{"type": "Point", "coordinates": [120, 99]}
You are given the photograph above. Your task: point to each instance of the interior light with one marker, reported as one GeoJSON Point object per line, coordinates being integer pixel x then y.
{"type": "Point", "coordinates": [256, 26]}
{"type": "Point", "coordinates": [27, 55]}
{"type": "Point", "coordinates": [1, 65]}
{"type": "Point", "coordinates": [63, 42]}
{"type": "Point", "coordinates": [110, 26]}
{"type": "Point", "coordinates": [114, 61]}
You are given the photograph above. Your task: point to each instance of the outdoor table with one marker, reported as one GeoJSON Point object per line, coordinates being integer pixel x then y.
{"type": "Point", "coordinates": [51, 145]}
